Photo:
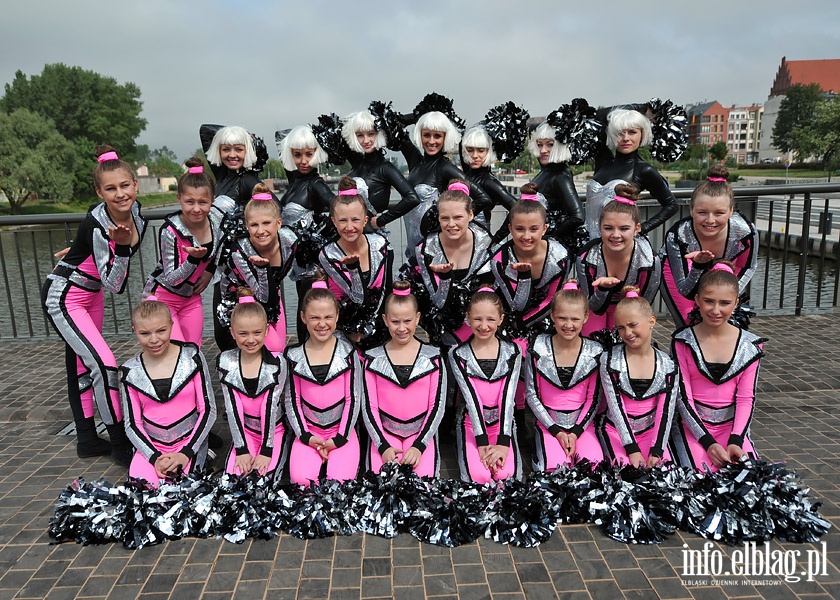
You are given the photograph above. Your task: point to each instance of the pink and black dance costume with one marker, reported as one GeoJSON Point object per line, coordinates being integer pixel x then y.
{"type": "Point", "coordinates": [168, 415]}
{"type": "Point", "coordinates": [681, 276]}
{"type": "Point", "coordinates": [254, 407]}
{"type": "Point", "coordinates": [564, 399]}
{"type": "Point", "coordinates": [172, 280]}
{"type": "Point", "coordinates": [444, 297]}
{"type": "Point", "coordinates": [360, 294]}
{"type": "Point", "coordinates": [639, 412]}
{"type": "Point", "coordinates": [74, 303]}
{"type": "Point", "coordinates": [485, 415]}
{"type": "Point", "coordinates": [528, 299]}
{"type": "Point", "coordinates": [324, 400]}
{"type": "Point", "coordinates": [405, 404]}
{"type": "Point", "coordinates": [266, 283]}
{"type": "Point", "coordinates": [644, 272]}
{"type": "Point", "coordinates": [718, 399]}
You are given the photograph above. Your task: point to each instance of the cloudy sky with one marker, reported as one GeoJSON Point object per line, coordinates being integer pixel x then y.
{"type": "Point", "coordinates": [270, 65]}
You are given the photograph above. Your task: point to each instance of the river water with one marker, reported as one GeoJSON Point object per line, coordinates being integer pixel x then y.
{"type": "Point", "coordinates": [27, 259]}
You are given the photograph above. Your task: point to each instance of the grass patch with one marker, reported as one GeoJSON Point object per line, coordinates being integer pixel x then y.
{"type": "Point", "coordinates": [46, 207]}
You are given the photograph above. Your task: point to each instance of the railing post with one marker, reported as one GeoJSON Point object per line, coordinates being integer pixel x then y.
{"type": "Point", "coordinates": [804, 242]}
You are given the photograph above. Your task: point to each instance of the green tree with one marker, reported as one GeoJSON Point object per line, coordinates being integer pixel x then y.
{"type": "Point", "coordinates": [163, 161]}
{"type": "Point", "coordinates": [821, 137]}
{"type": "Point", "coordinates": [273, 169]}
{"type": "Point", "coordinates": [34, 159]}
{"type": "Point", "coordinates": [796, 112]}
{"type": "Point", "coordinates": [87, 109]}
{"type": "Point", "coordinates": [718, 150]}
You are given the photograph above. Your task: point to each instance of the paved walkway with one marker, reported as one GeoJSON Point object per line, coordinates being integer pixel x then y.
{"type": "Point", "coordinates": [797, 420]}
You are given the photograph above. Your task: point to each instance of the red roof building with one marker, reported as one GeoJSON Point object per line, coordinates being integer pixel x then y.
{"type": "Point", "coordinates": [791, 72]}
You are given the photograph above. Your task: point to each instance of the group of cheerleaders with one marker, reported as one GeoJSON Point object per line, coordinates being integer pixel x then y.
{"type": "Point", "coordinates": [512, 328]}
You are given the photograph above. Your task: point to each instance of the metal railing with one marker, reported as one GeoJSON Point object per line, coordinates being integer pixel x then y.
{"type": "Point", "coordinates": [799, 257]}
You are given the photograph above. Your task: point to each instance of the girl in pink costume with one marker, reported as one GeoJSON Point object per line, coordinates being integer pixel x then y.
{"type": "Point", "coordinates": [561, 376]}
{"type": "Point", "coordinates": [260, 262]}
{"type": "Point", "coordinates": [358, 266]}
{"type": "Point", "coordinates": [486, 370]}
{"type": "Point", "coordinates": [189, 241]}
{"type": "Point", "coordinates": [451, 264]}
{"type": "Point", "coordinates": [712, 231]}
{"type": "Point", "coordinates": [620, 258]}
{"type": "Point", "coordinates": [405, 381]}
{"type": "Point", "coordinates": [252, 382]}
{"type": "Point", "coordinates": [528, 270]}
{"type": "Point", "coordinates": [324, 394]}
{"type": "Point", "coordinates": [641, 388]}
{"type": "Point", "coordinates": [167, 396]}
{"type": "Point", "coordinates": [74, 302]}
{"type": "Point", "coordinates": [719, 367]}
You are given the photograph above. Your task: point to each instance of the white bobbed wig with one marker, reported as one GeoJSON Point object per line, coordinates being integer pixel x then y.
{"type": "Point", "coordinates": [436, 121]}
{"type": "Point", "coordinates": [559, 152]}
{"type": "Point", "coordinates": [361, 121]}
{"type": "Point", "coordinates": [301, 137]}
{"type": "Point", "coordinates": [477, 137]}
{"type": "Point", "coordinates": [232, 135]}
{"type": "Point", "coordinates": [621, 119]}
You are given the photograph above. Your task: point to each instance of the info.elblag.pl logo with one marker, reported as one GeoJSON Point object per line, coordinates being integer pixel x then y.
{"type": "Point", "coordinates": [752, 560]}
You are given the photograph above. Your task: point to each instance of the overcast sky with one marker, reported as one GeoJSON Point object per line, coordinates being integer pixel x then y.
{"type": "Point", "coordinates": [272, 65]}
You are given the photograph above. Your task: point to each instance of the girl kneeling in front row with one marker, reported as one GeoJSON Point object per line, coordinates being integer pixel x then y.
{"type": "Point", "coordinates": [641, 387]}
{"type": "Point", "coordinates": [405, 382]}
{"type": "Point", "coordinates": [719, 366]}
{"type": "Point", "coordinates": [167, 398]}
{"type": "Point", "coordinates": [561, 385]}
{"type": "Point", "coordinates": [324, 394]}
{"type": "Point", "coordinates": [253, 381]}
{"type": "Point", "coordinates": [487, 371]}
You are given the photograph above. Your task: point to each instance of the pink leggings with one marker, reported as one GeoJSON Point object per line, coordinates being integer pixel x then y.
{"type": "Point", "coordinates": [610, 438]}
{"type": "Point", "coordinates": [305, 462]}
{"type": "Point", "coordinates": [187, 315]}
{"type": "Point", "coordinates": [427, 465]}
{"type": "Point", "coordinates": [472, 469]}
{"type": "Point", "coordinates": [549, 454]}
{"type": "Point", "coordinates": [141, 468]}
{"type": "Point", "coordinates": [254, 444]}
{"type": "Point", "coordinates": [77, 316]}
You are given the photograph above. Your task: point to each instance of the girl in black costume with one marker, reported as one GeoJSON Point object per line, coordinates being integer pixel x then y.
{"type": "Point", "coordinates": [429, 170]}
{"type": "Point", "coordinates": [367, 158]}
{"type": "Point", "coordinates": [627, 131]}
{"type": "Point", "coordinates": [477, 157]}
{"type": "Point", "coordinates": [555, 183]}
{"type": "Point", "coordinates": [236, 158]}
{"type": "Point", "coordinates": [306, 203]}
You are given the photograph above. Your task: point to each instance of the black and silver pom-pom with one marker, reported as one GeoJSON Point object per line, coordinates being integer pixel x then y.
{"type": "Point", "coordinates": [506, 124]}
{"type": "Point", "coordinates": [669, 126]}
{"type": "Point", "coordinates": [327, 133]}
{"type": "Point", "coordinates": [436, 102]}
{"type": "Point", "coordinates": [389, 122]}
{"type": "Point", "coordinates": [576, 124]}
